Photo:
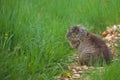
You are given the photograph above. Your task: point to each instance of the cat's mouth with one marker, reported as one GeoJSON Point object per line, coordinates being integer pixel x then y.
{"type": "Point", "coordinates": [75, 43]}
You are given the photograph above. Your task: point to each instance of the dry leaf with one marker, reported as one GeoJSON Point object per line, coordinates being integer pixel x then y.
{"type": "Point", "coordinates": [104, 34]}
{"type": "Point", "coordinates": [85, 67]}
{"type": "Point", "coordinates": [76, 76]}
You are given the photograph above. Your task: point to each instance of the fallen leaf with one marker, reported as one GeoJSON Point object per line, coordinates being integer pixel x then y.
{"type": "Point", "coordinates": [85, 67]}
{"type": "Point", "coordinates": [76, 76]}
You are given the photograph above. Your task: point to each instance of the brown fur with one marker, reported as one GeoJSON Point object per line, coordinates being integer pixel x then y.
{"type": "Point", "coordinates": [90, 47]}
{"type": "Point", "coordinates": [102, 46]}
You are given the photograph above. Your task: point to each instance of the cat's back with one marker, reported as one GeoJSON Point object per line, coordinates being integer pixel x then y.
{"type": "Point", "coordinates": [87, 46]}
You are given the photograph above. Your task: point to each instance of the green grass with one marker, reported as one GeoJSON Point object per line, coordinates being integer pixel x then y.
{"type": "Point", "coordinates": [110, 73]}
{"type": "Point", "coordinates": [35, 42]}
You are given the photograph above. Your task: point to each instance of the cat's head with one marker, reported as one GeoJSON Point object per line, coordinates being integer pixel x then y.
{"type": "Point", "coordinates": [76, 32]}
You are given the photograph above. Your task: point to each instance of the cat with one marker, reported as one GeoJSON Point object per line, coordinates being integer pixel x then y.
{"type": "Point", "coordinates": [91, 48]}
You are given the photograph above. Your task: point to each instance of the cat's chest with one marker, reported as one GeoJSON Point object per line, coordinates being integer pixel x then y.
{"type": "Point", "coordinates": [86, 46]}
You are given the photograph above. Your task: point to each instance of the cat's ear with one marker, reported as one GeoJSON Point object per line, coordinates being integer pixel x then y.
{"type": "Point", "coordinates": [81, 27]}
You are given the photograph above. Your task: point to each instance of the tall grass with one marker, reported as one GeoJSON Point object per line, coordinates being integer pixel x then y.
{"type": "Point", "coordinates": [32, 33]}
{"type": "Point", "coordinates": [109, 73]}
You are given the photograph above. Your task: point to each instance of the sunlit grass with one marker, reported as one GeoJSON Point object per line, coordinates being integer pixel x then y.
{"type": "Point", "coordinates": [32, 33]}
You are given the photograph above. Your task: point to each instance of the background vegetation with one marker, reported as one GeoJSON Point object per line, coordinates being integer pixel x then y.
{"type": "Point", "coordinates": [32, 33]}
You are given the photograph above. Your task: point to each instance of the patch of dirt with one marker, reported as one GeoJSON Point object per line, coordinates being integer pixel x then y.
{"type": "Point", "coordinates": [75, 71]}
